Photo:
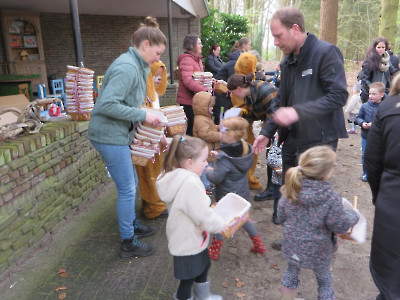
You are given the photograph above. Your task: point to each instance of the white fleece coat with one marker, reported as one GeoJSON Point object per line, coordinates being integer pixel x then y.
{"type": "Point", "coordinates": [190, 215]}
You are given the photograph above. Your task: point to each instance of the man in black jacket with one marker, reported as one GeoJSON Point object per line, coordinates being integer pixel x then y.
{"type": "Point", "coordinates": [311, 94]}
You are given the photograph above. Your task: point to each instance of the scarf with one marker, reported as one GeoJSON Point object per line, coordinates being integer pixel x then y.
{"type": "Point", "coordinates": [384, 66]}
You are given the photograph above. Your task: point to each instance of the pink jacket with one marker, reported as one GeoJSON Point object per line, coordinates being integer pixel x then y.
{"type": "Point", "coordinates": [188, 63]}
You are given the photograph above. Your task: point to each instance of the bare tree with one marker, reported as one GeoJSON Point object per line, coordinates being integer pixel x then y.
{"type": "Point", "coordinates": [328, 20]}
{"type": "Point", "coordinates": [388, 19]}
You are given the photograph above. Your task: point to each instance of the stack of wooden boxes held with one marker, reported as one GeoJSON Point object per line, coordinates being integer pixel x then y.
{"type": "Point", "coordinates": [146, 140]}
{"type": "Point", "coordinates": [79, 90]}
{"type": "Point", "coordinates": [204, 79]}
{"type": "Point", "coordinates": [176, 119]}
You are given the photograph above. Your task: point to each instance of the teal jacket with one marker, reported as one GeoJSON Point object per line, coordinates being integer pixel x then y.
{"type": "Point", "coordinates": [117, 109]}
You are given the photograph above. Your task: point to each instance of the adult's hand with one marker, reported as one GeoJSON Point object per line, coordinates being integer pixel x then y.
{"type": "Point", "coordinates": [285, 116]}
{"type": "Point", "coordinates": [152, 119]}
{"type": "Point", "coordinates": [260, 143]}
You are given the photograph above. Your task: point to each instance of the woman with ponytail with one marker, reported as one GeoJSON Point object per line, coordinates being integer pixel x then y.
{"type": "Point", "coordinates": [311, 212]}
{"type": "Point", "coordinates": [111, 128]}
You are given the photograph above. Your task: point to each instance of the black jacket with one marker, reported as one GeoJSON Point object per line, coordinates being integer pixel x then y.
{"type": "Point", "coordinates": [382, 162]}
{"type": "Point", "coordinates": [229, 68]}
{"type": "Point", "coordinates": [315, 85]}
{"type": "Point", "coordinates": [213, 64]}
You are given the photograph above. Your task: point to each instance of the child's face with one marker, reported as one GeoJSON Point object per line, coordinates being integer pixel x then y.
{"type": "Point", "coordinates": [157, 77]}
{"type": "Point", "coordinates": [197, 165]}
{"type": "Point", "coordinates": [375, 96]}
{"type": "Point", "coordinates": [227, 138]}
{"type": "Point", "coordinates": [380, 48]}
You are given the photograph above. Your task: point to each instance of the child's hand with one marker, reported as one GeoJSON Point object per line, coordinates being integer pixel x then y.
{"type": "Point", "coordinates": [214, 153]}
{"type": "Point", "coordinates": [208, 168]}
{"type": "Point", "coordinates": [226, 228]}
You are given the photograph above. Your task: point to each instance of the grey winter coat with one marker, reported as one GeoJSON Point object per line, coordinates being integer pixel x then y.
{"type": "Point", "coordinates": [230, 174]}
{"type": "Point", "coordinates": [308, 224]}
{"type": "Point", "coordinates": [366, 114]}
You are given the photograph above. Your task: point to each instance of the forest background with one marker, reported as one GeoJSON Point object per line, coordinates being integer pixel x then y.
{"type": "Point", "coordinates": [349, 24]}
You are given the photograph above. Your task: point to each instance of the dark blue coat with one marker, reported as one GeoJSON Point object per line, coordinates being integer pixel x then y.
{"type": "Point", "coordinates": [366, 114]}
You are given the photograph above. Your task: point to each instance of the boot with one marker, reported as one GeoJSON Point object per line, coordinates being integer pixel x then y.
{"type": "Point", "coordinates": [141, 229]}
{"type": "Point", "coordinates": [266, 195]}
{"type": "Point", "coordinates": [275, 219]}
{"type": "Point", "coordinates": [258, 246]}
{"type": "Point", "coordinates": [134, 247]}
{"type": "Point", "coordinates": [202, 291]}
{"type": "Point", "coordinates": [191, 298]}
{"type": "Point", "coordinates": [215, 249]}
{"type": "Point", "coordinates": [288, 294]}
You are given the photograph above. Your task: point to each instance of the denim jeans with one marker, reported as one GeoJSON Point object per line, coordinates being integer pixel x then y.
{"type": "Point", "coordinates": [363, 145]}
{"type": "Point", "coordinates": [119, 163]}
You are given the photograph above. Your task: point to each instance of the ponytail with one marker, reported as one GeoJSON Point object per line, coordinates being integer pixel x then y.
{"type": "Point", "coordinates": [239, 80]}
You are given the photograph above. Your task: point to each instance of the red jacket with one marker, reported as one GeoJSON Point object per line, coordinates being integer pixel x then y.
{"type": "Point", "coordinates": [188, 63]}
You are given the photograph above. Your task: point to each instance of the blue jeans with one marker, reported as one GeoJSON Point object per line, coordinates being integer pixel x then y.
{"type": "Point", "coordinates": [119, 163]}
{"type": "Point", "coordinates": [363, 145]}
{"type": "Point", "coordinates": [203, 177]}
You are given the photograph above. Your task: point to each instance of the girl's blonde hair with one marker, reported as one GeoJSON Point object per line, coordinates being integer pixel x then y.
{"type": "Point", "coordinates": [316, 163]}
{"type": "Point", "coordinates": [182, 148]}
{"type": "Point", "coordinates": [236, 127]}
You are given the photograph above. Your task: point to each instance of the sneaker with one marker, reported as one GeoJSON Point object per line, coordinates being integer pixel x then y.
{"type": "Point", "coordinates": [134, 247]}
{"type": "Point", "coordinates": [364, 178]}
{"type": "Point", "coordinates": [141, 229]}
{"type": "Point", "coordinates": [210, 191]}
{"type": "Point", "coordinates": [352, 131]}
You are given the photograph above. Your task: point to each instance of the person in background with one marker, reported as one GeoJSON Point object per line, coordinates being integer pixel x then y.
{"type": "Point", "coordinates": [188, 63]}
{"type": "Point", "coordinates": [376, 67]}
{"type": "Point", "coordinates": [394, 60]}
{"type": "Point", "coordinates": [353, 107]}
{"type": "Point", "coordinates": [153, 207]}
{"type": "Point", "coordinates": [366, 115]}
{"type": "Point", "coordinates": [310, 211]}
{"type": "Point", "coordinates": [259, 74]}
{"type": "Point", "coordinates": [111, 128]}
{"type": "Point", "coordinates": [213, 61]}
{"type": "Point", "coordinates": [234, 159]}
{"type": "Point", "coordinates": [191, 218]}
{"type": "Point", "coordinates": [224, 100]}
{"type": "Point", "coordinates": [382, 163]}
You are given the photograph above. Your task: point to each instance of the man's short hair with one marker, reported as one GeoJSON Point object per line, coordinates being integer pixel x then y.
{"type": "Point", "coordinates": [379, 86]}
{"type": "Point", "coordinates": [290, 16]}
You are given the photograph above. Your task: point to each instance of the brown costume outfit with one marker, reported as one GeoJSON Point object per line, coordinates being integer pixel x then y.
{"type": "Point", "coordinates": [152, 205]}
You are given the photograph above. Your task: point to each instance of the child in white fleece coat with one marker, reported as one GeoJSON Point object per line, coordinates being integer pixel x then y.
{"type": "Point", "coordinates": [190, 220]}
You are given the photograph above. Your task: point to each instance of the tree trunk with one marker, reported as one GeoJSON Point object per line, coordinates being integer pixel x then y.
{"type": "Point", "coordinates": [388, 19]}
{"type": "Point", "coordinates": [328, 20]}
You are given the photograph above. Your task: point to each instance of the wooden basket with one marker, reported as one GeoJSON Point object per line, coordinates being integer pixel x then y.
{"type": "Point", "coordinates": [80, 116]}
{"type": "Point", "coordinates": [139, 160]}
{"type": "Point", "coordinates": [175, 129]}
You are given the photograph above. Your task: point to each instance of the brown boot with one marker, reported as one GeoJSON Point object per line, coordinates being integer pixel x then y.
{"type": "Point", "coordinates": [215, 249]}
{"type": "Point", "coordinates": [258, 246]}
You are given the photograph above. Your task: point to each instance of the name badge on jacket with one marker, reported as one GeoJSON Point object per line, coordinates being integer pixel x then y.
{"type": "Point", "coordinates": [306, 72]}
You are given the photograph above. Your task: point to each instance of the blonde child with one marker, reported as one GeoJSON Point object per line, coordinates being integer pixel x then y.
{"type": "Point", "coordinates": [311, 211]}
{"type": "Point", "coordinates": [205, 129]}
{"type": "Point", "coordinates": [190, 216]}
{"type": "Point", "coordinates": [229, 175]}
{"type": "Point", "coordinates": [353, 107]}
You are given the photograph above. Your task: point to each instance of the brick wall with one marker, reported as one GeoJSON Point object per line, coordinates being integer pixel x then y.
{"type": "Point", "coordinates": [104, 38]}
{"type": "Point", "coordinates": [44, 178]}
